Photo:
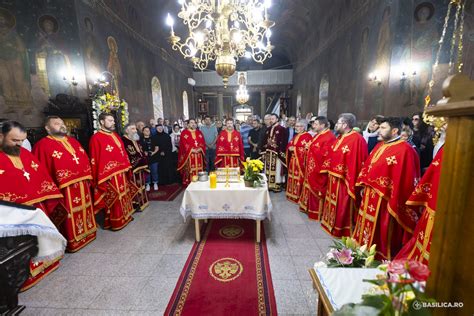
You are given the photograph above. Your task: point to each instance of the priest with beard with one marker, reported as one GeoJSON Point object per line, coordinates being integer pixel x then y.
{"type": "Point", "coordinates": [387, 180]}
{"type": "Point", "coordinates": [229, 147]}
{"type": "Point", "coordinates": [192, 152]}
{"type": "Point", "coordinates": [274, 156]}
{"type": "Point", "coordinates": [68, 165]}
{"type": "Point", "coordinates": [342, 165]}
{"type": "Point", "coordinates": [110, 173]}
{"type": "Point", "coordinates": [139, 163]}
{"type": "Point", "coordinates": [296, 154]}
{"type": "Point", "coordinates": [315, 183]}
{"type": "Point", "coordinates": [24, 180]}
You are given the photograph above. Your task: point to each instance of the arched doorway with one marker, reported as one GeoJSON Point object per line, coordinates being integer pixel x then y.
{"type": "Point", "coordinates": [157, 97]}
{"type": "Point", "coordinates": [298, 105]}
{"type": "Point", "coordinates": [241, 112]}
{"type": "Point", "coordinates": [323, 96]}
{"type": "Point", "coordinates": [185, 106]}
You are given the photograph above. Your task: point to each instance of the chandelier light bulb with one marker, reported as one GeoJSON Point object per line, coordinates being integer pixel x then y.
{"type": "Point", "coordinates": [199, 37]}
{"type": "Point", "coordinates": [181, 2]}
{"type": "Point", "coordinates": [236, 24]}
{"type": "Point", "coordinates": [237, 37]}
{"type": "Point", "coordinates": [268, 34]}
{"type": "Point", "coordinates": [260, 45]}
{"type": "Point", "coordinates": [169, 20]}
{"type": "Point", "coordinates": [248, 54]}
{"type": "Point", "coordinates": [208, 24]}
{"type": "Point", "coordinates": [192, 50]}
{"type": "Point", "coordinates": [267, 3]}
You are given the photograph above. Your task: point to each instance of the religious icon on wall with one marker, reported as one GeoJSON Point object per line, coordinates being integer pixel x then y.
{"type": "Point", "coordinates": [425, 44]}
{"type": "Point", "coordinates": [92, 50]}
{"type": "Point", "coordinates": [14, 67]}
{"type": "Point", "coordinates": [51, 61]}
{"type": "Point", "coordinates": [242, 75]}
{"type": "Point", "coordinates": [113, 66]}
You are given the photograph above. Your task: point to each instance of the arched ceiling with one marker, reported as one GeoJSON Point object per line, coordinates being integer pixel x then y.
{"type": "Point", "coordinates": [296, 23]}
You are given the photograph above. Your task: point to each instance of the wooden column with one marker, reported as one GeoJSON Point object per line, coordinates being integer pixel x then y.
{"type": "Point", "coordinates": [452, 249]}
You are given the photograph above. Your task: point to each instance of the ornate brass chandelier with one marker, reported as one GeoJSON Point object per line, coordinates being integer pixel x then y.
{"type": "Point", "coordinates": [242, 95]}
{"type": "Point", "coordinates": [224, 31]}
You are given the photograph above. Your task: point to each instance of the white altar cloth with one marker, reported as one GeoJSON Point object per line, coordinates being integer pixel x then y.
{"type": "Point", "coordinates": [235, 201]}
{"type": "Point", "coordinates": [345, 285]}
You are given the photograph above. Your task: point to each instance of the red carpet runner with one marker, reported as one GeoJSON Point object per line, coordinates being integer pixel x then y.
{"type": "Point", "coordinates": [166, 192]}
{"type": "Point", "coordinates": [227, 273]}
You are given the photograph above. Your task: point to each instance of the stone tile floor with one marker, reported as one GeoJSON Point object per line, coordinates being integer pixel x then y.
{"type": "Point", "coordinates": [134, 271]}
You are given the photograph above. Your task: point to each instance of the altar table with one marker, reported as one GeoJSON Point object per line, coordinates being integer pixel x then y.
{"type": "Point", "coordinates": [234, 201]}
{"type": "Point", "coordinates": [339, 286]}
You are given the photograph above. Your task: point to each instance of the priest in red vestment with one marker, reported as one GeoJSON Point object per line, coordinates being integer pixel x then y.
{"type": "Point", "coordinates": [69, 166]}
{"type": "Point", "coordinates": [343, 164]}
{"type": "Point", "coordinates": [315, 183]}
{"type": "Point", "coordinates": [139, 163]}
{"type": "Point", "coordinates": [229, 147]}
{"type": "Point", "coordinates": [24, 180]}
{"type": "Point", "coordinates": [296, 153]}
{"type": "Point", "coordinates": [274, 153]}
{"type": "Point", "coordinates": [423, 201]}
{"type": "Point", "coordinates": [110, 172]}
{"type": "Point", "coordinates": [387, 178]}
{"type": "Point", "coordinates": [191, 153]}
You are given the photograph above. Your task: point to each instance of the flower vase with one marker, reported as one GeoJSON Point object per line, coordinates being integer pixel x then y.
{"type": "Point", "coordinates": [248, 183]}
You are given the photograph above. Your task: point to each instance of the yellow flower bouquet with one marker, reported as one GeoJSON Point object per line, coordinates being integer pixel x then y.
{"type": "Point", "coordinates": [252, 172]}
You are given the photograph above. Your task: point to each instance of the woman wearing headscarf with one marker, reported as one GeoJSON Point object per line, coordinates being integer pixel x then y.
{"type": "Point", "coordinates": [165, 158]}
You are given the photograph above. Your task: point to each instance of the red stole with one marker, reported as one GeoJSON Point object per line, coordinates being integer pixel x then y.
{"type": "Point", "coordinates": [388, 178]}
{"type": "Point", "coordinates": [65, 159]}
{"type": "Point", "coordinates": [112, 187]}
{"type": "Point", "coordinates": [316, 182]}
{"type": "Point", "coordinates": [343, 163]}
{"type": "Point", "coordinates": [25, 180]}
{"type": "Point", "coordinates": [424, 199]}
{"type": "Point", "coordinates": [68, 164]}
{"type": "Point", "coordinates": [189, 162]}
{"type": "Point", "coordinates": [295, 161]}
{"type": "Point", "coordinates": [229, 150]}
{"type": "Point", "coordinates": [108, 156]}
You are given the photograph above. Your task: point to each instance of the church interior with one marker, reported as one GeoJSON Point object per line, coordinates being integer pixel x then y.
{"type": "Point", "coordinates": [236, 157]}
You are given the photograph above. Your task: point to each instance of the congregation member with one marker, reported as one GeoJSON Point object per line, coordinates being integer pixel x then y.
{"type": "Point", "coordinates": [68, 165]}
{"type": "Point", "coordinates": [166, 169]}
{"type": "Point", "coordinates": [139, 163]}
{"type": "Point", "coordinates": [24, 180]}
{"type": "Point", "coordinates": [219, 126]}
{"type": "Point", "coordinates": [423, 200]}
{"type": "Point", "coordinates": [423, 139]}
{"type": "Point", "coordinates": [387, 179]}
{"type": "Point", "coordinates": [110, 173]}
{"type": "Point", "coordinates": [140, 125]}
{"type": "Point", "coordinates": [315, 183]}
{"type": "Point", "coordinates": [229, 147]}
{"type": "Point", "coordinates": [192, 152]}
{"type": "Point", "coordinates": [167, 128]}
{"type": "Point", "coordinates": [253, 139]}
{"type": "Point", "coordinates": [290, 128]}
{"type": "Point", "coordinates": [370, 133]}
{"type": "Point", "coordinates": [274, 154]}
{"type": "Point", "coordinates": [151, 152]}
{"type": "Point", "coordinates": [343, 164]}
{"type": "Point", "coordinates": [209, 131]}
{"type": "Point", "coordinates": [153, 126]}
{"type": "Point", "coordinates": [296, 154]}
{"type": "Point", "coordinates": [245, 128]}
